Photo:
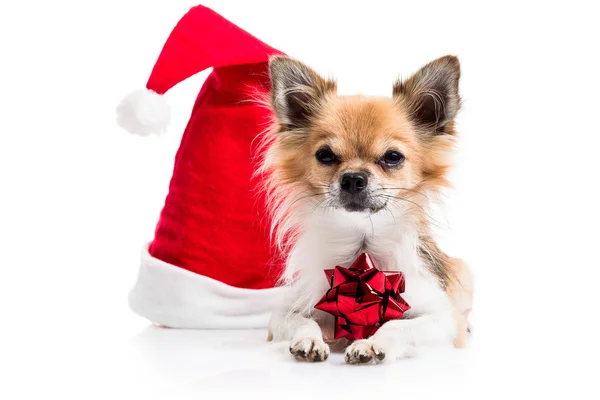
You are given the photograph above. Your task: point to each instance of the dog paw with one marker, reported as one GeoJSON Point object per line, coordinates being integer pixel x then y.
{"type": "Point", "coordinates": [363, 352]}
{"type": "Point", "coordinates": [309, 349]}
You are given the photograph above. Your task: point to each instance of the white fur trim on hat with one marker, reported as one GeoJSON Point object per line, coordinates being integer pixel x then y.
{"type": "Point", "coordinates": [144, 112]}
{"type": "Point", "coordinates": [177, 298]}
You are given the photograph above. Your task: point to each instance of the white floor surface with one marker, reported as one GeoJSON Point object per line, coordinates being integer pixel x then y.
{"type": "Point", "coordinates": [140, 361]}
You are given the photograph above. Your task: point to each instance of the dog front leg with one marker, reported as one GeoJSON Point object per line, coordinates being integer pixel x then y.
{"type": "Point", "coordinates": [403, 338]}
{"type": "Point", "coordinates": [304, 334]}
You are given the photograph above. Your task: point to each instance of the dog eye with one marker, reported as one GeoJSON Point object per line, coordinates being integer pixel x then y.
{"type": "Point", "coordinates": [392, 158]}
{"type": "Point", "coordinates": [325, 156]}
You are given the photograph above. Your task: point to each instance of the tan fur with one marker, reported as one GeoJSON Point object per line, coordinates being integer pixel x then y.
{"type": "Point", "coordinates": [456, 279]}
{"type": "Point", "coordinates": [460, 290]}
{"type": "Point", "coordinates": [359, 130]}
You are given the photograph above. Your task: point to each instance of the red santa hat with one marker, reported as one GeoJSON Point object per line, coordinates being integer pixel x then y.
{"type": "Point", "coordinates": [210, 264]}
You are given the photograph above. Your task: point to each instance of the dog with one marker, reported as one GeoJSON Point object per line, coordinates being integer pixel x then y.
{"type": "Point", "coordinates": [351, 174]}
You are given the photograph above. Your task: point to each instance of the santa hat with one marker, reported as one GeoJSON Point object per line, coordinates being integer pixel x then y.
{"type": "Point", "coordinates": [210, 264]}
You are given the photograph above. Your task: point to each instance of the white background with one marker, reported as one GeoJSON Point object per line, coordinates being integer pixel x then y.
{"type": "Point", "coordinates": [79, 196]}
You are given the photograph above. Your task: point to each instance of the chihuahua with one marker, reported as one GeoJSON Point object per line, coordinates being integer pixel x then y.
{"type": "Point", "coordinates": [351, 174]}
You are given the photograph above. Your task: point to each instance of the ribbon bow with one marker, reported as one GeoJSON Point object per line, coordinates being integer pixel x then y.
{"type": "Point", "coordinates": [362, 298]}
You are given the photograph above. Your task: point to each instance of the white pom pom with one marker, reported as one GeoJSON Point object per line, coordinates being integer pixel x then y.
{"type": "Point", "coordinates": [144, 112]}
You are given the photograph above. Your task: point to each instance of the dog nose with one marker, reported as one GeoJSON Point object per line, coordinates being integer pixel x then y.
{"type": "Point", "coordinates": [354, 182]}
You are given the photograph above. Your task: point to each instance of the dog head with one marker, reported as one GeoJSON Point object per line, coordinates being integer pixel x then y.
{"type": "Point", "coordinates": [360, 154]}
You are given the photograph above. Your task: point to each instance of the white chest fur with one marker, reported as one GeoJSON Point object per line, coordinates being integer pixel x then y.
{"type": "Point", "coordinates": [337, 238]}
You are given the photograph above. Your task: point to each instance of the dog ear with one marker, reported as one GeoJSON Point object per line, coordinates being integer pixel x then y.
{"type": "Point", "coordinates": [297, 91]}
{"type": "Point", "coordinates": [431, 95]}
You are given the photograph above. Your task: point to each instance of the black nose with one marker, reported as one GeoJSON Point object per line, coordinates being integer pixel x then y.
{"type": "Point", "coordinates": [354, 182]}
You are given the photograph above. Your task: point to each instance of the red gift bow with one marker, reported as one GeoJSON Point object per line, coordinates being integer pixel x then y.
{"type": "Point", "coordinates": [362, 298]}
